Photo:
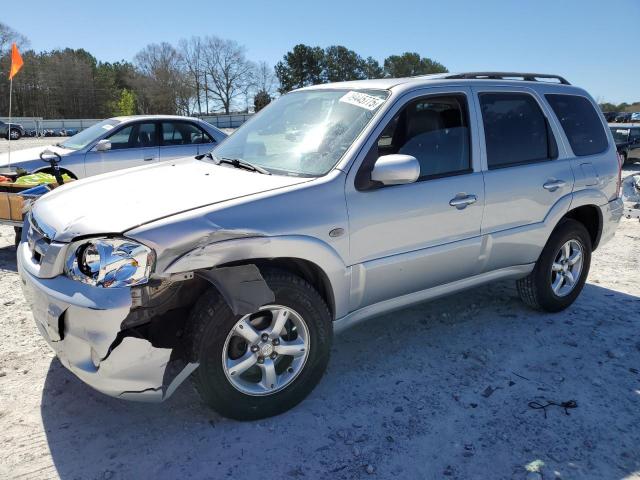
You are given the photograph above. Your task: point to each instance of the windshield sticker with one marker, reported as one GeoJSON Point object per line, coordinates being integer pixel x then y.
{"type": "Point", "coordinates": [362, 100]}
{"type": "Point", "coordinates": [107, 127]}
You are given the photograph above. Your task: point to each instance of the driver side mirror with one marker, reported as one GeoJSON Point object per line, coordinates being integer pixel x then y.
{"type": "Point", "coordinates": [103, 145]}
{"type": "Point", "coordinates": [396, 169]}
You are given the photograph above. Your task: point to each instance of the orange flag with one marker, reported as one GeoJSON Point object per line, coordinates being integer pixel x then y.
{"type": "Point", "coordinates": [16, 61]}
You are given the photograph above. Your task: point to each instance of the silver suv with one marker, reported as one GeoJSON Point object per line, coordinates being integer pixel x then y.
{"type": "Point", "coordinates": [336, 203]}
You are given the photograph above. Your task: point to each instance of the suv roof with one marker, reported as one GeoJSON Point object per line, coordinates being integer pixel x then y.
{"type": "Point", "coordinates": [505, 78]}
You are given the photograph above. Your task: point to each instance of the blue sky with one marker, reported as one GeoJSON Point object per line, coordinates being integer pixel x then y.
{"type": "Point", "coordinates": [576, 39]}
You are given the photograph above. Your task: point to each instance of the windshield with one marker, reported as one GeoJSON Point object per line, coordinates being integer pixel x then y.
{"type": "Point", "coordinates": [303, 133]}
{"type": "Point", "coordinates": [85, 137]}
{"type": "Point", "coordinates": [620, 135]}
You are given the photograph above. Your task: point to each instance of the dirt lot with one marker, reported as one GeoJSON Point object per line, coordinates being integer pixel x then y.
{"type": "Point", "coordinates": [439, 390]}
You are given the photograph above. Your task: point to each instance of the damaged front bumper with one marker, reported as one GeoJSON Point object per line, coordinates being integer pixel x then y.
{"type": "Point", "coordinates": [83, 326]}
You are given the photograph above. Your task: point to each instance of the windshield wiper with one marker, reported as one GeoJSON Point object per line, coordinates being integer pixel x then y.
{"type": "Point", "coordinates": [235, 162]}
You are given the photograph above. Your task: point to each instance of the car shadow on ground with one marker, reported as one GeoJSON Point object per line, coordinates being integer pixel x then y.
{"type": "Point", "coordinates": [8, 258]}
{"type": "Point", "coordinates": [439, 389]}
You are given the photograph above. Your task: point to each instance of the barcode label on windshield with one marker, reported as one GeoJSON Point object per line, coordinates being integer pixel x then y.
{"type": "Point", "coordinates": [362, 100]}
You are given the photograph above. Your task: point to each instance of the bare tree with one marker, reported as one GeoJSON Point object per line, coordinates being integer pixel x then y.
{"type": "Point", "coordinates": [192, 57]}
{"type": "Point", "coordinates": [264, 78]}
{"type": "Point", "coordinates": [228, 71]}
{"type": "Point", "coordinates": [161, 85]}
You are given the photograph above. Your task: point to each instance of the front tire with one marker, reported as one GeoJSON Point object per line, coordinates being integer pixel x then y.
{"type": "Point", "coordinates": [259, 365]}
{"type": "Point", "coordinates": [14, 134]}
{"type": "Point", "coordinates": [561, 271]}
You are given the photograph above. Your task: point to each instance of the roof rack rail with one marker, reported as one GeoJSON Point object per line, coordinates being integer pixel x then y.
{"type": "Point", "coordinates": [529, 77]}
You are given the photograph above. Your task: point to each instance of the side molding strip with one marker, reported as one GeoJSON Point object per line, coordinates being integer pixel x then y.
{"type": "Point", "coordinates": [386, 306]}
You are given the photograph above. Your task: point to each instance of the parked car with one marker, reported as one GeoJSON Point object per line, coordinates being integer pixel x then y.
{"type": "Point", "coordinates": [623, 117]}
{"type": "Point", "coordinates": [635, 117]}
{"type": "Point", "coordinates": [335, 203]}
{"type": "Point", "coordinates": [123, 142]}
{"type": "Point", "coordinates": [610, 116]}
{"type": "Point", "coordinates": [13, 130]}
{"type": "Point", "coordinates": [627, 138]}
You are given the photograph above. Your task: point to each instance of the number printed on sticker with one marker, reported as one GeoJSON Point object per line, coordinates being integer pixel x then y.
{"type": "Point", "coordinates": [362, 100]}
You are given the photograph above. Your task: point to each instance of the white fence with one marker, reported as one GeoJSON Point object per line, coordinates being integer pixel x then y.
{"type": "Point", "coordinates": [39, 124]}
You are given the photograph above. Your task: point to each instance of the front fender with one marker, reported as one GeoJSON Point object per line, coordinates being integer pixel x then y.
{"type": "Point", "coordinates": [288, 246]}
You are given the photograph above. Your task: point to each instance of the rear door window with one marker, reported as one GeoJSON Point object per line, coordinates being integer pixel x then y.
{"type": "Point", "coordinates": [183, 133]}
{"type": "Point", "coordinates": [516, 131]}
{"type": "Point", "coordinates": [580, 122]}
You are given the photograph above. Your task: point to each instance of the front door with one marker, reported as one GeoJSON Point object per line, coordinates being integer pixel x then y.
{"type": "Point", "coordinates": [131, 146]}
{"type": "Point", "coordinates": [407, 238]}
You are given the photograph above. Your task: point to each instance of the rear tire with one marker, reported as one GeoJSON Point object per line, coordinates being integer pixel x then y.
{"type": "Point", "coordinates": [549, 286]}
{"type": "Point", "coordinates": [213, 327]}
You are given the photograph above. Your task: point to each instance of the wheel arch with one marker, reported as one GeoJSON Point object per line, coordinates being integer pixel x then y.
{"type": "Point", "coordinates": [313, 260]}
{"type": "Point", "coordinates": [307, 270]}
{"type": "Point", "coordinates": [591, 217]}
{"type": "Point", "coordinates": [62, 172]}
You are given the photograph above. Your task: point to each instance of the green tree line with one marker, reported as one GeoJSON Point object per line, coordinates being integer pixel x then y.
{"type": "Point", "coordinates": [621, 107]}
{"type": "Point", "coordinates": [197, 75]}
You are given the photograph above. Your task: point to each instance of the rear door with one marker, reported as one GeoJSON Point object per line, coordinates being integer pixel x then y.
{"type": "Point", "coordinates": [183, 139]}
{"type": "Point", "coordinates": [525, 173]}
{"type": "Point", "coordinates": [132, 145]}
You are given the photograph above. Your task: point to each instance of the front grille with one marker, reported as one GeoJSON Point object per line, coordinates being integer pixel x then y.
{"type": "Point", "coordinates": [37, 240]}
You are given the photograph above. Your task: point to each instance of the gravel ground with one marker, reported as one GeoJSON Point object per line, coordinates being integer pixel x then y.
{"type": "Point", "coordinates": [439, 390]}
{"type": "Point", "coordinates": [28, 142]}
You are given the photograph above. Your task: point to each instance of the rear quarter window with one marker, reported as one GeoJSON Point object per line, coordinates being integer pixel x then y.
{"type": "Point", "coordinates": [580, 122]}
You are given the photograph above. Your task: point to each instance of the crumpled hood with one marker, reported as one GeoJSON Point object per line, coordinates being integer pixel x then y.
{"type": "Point", "coordinates": [30, 154]}
{"type": "Point", "coordinates": [118, 201]}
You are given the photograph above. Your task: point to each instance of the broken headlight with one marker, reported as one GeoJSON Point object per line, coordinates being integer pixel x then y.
{"type": "Point", "coordinates": [109, 262]}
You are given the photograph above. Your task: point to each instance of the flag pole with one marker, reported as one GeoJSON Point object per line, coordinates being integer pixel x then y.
{"type": "Point", "coordinates": [9, 130]}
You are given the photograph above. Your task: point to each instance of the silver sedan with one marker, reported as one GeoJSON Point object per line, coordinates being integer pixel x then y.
{"type": "Point", "coordinates": [123, 142]}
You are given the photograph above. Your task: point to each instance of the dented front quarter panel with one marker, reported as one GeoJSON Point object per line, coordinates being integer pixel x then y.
{"type": "Point", "coordinates": [293, 222]}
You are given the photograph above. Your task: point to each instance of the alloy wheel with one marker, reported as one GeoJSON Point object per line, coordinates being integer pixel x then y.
{"type": "Point", "coordinates": [567, 268]}
{"type": "Point", "coordinates": [265, 351]}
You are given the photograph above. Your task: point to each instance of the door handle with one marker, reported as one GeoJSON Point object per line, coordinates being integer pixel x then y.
{"type": "Point", "coordinates": [553, 185]}
{"type": "Point", "coordinates": [149, 159]}
{"type": "Point", "coordinates": [461, 201]}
